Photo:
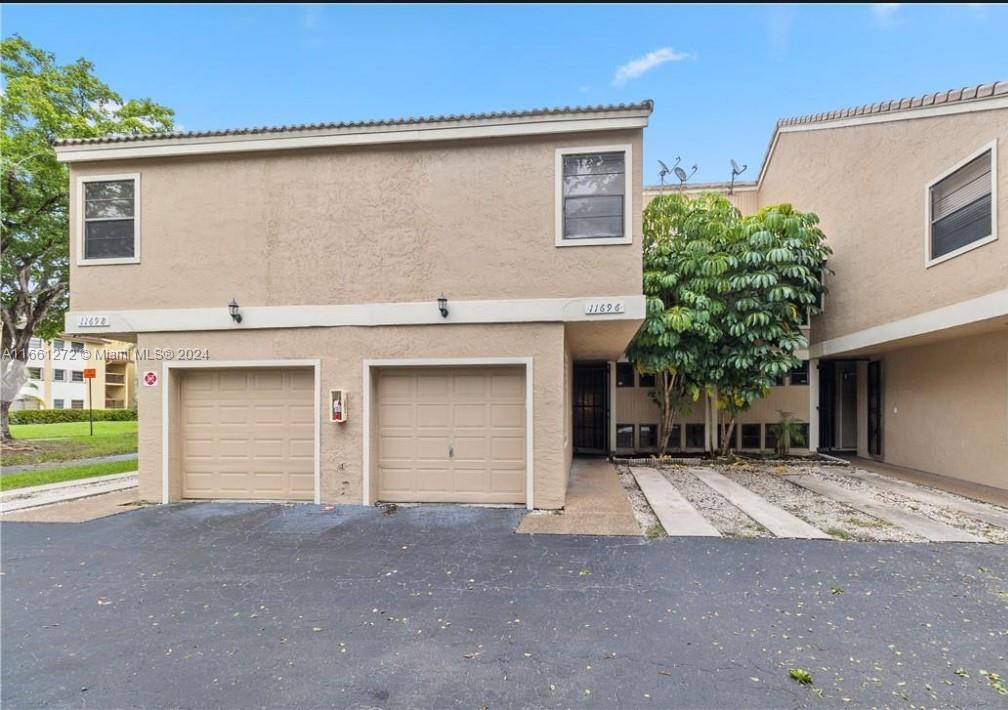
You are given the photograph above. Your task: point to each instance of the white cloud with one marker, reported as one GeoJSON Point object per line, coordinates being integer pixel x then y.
{"type": "Point", "coordinates": [885, 12]}
{"type": "Point", "coordinates": [635, 67]}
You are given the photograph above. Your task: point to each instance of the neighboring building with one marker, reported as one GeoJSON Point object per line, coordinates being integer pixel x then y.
{"type": "Point", "coordinates": [56, 374]}
{"type": "Point", "coordinates": [332, 244]}
{"type": "Point", "coordinates": [909, 358]}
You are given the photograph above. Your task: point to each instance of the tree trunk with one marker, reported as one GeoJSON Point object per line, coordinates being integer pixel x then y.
{"type": "Point", "coordinates": [5, 421]}
{"type": "Point", "coordinates": [668, 411]}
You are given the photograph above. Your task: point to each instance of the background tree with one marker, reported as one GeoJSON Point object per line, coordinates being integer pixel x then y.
{"type": "Point", "coordinates": [726, 296]}
{"type": "Point", "coordinates": [43, 102]}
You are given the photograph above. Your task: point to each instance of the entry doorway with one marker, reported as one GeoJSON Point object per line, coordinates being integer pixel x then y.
{"type": "Point", "coordinates": [591, 408]}
{"type": "Point", "coordinates": [838, 405]}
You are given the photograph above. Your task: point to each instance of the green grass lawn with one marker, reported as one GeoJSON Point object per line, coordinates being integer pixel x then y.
{"type": "Point", "coordinates": [68, 473]}
{"type": "Point", "coordinates": [70, 440]}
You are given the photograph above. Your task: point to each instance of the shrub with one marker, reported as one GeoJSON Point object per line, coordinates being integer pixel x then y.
{"type": "Point", "coordinates": [59, 416]}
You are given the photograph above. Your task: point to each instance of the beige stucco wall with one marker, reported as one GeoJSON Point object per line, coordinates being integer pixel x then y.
{"type": "Point", "coordinates": [341, 351]}
{"type": "Point", "coordinates": [399, 223]}
{"type": "Point", "coordinates": [868, 185]}
{"type": "Point", "coordinates": [634, 406]}
{"type": "Point", "coordinates": [946, 408]}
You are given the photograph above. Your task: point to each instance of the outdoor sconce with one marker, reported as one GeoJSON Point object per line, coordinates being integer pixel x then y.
{"type": "Point", "coordinates": [233, 310]}
{"type": "Point", "coordinates": [442, 304]}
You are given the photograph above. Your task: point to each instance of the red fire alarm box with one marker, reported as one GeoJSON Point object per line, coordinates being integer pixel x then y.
{"type": "Point", "coordinates": [337, 406]}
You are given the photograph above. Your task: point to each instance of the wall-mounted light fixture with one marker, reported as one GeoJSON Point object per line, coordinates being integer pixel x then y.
{"type": "Point", "coordinates": [442, 304]}
{"type": "Point", "coordinates": [233, 310]}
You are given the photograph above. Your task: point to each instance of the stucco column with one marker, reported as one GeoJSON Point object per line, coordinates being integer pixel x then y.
{"type": "Point", "coordinates": [813, 415]}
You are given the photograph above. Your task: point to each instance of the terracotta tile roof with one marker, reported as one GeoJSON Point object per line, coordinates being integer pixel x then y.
{"type": "Point", "coordinates": [968, 93]}
{"type": "Point", "coordinates": [647, 105]}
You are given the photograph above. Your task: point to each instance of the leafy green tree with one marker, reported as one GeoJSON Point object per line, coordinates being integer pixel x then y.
{"type": "Point", "coordinates": [726, 296]}
{"type": "Point", "coordinates": [43, 102]}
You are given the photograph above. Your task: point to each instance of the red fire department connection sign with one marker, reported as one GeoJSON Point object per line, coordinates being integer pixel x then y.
{"type": "Point", "coordinates": [150, 378]}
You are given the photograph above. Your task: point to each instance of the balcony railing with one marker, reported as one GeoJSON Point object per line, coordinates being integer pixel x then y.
{"type": "Point", "coordinates": [115, 404]}
{"type": "Point", "coordinates": [113, 379]}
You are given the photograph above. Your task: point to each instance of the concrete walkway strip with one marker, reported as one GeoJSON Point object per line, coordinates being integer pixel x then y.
{"type": "Point", "coordinates": [918, 524]}
{"type": "Point", "coordinates": [778, 521]}
{"type": "Point", "coordinates": [675, 513]}
{"type": "Point", "coordinates": [23, 498]}
{"type": "Point", "coordinates": [987, 513]}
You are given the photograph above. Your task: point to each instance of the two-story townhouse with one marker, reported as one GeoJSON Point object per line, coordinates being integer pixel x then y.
{"type": "Point", "coordinates": [908, 361]}
{"type": "Point", "coordinates": [55, 375]}
{"type": "Point", "coordinates": [355, 312]}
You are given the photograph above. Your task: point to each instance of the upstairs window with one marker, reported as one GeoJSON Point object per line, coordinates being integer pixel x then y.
{"type": "Point", "coordinates": [59, 375]}
{"type": "Point", "coordinates": [799, 375]}
{"type": "Point", "coordinates": [77, 376]}
{"type": "Point", "coordinates": [109, 230]}
{"type": "Point", "coordinates": [593, 189]}
{"type": "Point", "coordinates": [624, 374]}
{"type": "Point", "coordinates": [961, 208]}
{"type": "Point", "coordinates": [58, 344]}
{"type": "Point", "coordinates": [34, 373]}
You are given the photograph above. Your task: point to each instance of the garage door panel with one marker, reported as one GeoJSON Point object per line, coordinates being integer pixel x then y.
{"type": "Point", "coordinates": [248, 434]}
{"type": "Point", "coordinates": [478, 412]}
{"type": "Point", "coordinates": [507, 415]}
{"type": "Point", "coordinates": [433, 386]}
{"type": "Point", "coordinates": [470, 415]}
{"type": "Point", "coordinates": [504, 448]}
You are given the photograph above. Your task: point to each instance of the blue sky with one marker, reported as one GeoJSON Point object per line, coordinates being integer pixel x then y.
{"type": "Point", "coordinates": [720, 76]}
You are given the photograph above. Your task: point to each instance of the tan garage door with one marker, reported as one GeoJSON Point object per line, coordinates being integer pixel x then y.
{"type": "Point", "coordinates": [248, 433]}
{"type": "Point", "coordinates": [451, 435]}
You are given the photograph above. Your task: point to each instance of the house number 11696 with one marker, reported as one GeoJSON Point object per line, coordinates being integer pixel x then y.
{"type": "Point", "coordinates": [599, 308]}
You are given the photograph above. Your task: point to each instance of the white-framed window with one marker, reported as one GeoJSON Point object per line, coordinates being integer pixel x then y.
{"type": "Point", "coordinates": [58, 404]}
{"type": "Point", "coordinates": [76, 375]}
{"type": "Point", "coordinates": [35, 344]}
{"type": "Point", "coordinates": [594, 193]}
{"type": "Point", "coordinates": [108, 222]}
{"type": "Point", "coordinates": [58, 344]}
{"type": "Point", "coordinates": [59, 375]}
{"type": "Point", "coordinates": [76, 404]}
{"type": "Point", "coordinates": [961, 207]}
{"type": "Point", "coordinates": [76, 346]}
{"type": "Point", "coordinates": [35, 373]}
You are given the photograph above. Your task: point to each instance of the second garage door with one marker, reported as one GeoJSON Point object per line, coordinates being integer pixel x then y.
{"type": "Point", "coordinates": [248, 433]}
{"type": "Point", "coordinates": [451, 435]}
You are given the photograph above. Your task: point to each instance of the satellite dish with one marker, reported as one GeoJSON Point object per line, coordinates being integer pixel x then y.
{"type": "Point", "coordinates": [663, 172]}
{"type": "Point", "coordinates": [681, 174]}
{"type": "Point", "coordinates": [735, 170]}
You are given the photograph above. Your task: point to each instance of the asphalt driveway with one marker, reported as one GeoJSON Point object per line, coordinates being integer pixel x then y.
{"type": "Point", "coordinates": [231, 605]}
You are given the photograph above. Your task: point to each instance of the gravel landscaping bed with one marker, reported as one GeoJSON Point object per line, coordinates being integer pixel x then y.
{"type": "Point", "coordinates": [946, 515]}
{"type": "Point", "coordinates": [646, 518]}
{"type": "Point", "coordinates": [729, 520]}
{"type": "Point", "coordinates": [830, 516]}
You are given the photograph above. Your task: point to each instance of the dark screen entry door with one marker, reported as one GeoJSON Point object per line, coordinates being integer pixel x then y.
{"type": "Point", "coordinates": [875, 408]}
{"type": "Point", "coordinates": [827, 403]}
{"type": "Point", "coordinates": [591, 408]}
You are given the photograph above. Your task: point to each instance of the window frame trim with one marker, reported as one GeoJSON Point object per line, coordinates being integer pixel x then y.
{"type": "Point", "coordinates": [628, 169]}
{"type": "Point", "coordinates": [992, 237]}
{"type": "Point", "coordinates": [80, 222]}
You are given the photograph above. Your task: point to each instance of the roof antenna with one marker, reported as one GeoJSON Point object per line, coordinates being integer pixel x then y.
{"type": "Point", "coordinates": [683, 177]}
{"type": "Point", "coordinates": [735, 170]}
{"type": "Point", "coordinates": [665, 170]}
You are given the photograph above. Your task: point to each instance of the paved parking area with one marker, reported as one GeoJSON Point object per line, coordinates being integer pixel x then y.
{"type": "Point", "coordinates": [244, 605]}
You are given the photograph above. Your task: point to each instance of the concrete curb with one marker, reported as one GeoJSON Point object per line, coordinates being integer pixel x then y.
{"type": "Point", "coordinates": [35, 496]}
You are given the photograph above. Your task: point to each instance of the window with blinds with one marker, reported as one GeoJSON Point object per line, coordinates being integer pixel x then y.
{"type": "Point", "coordinates": [594, 195]}
{"type": "Point", "coordinates": [962, 207]}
